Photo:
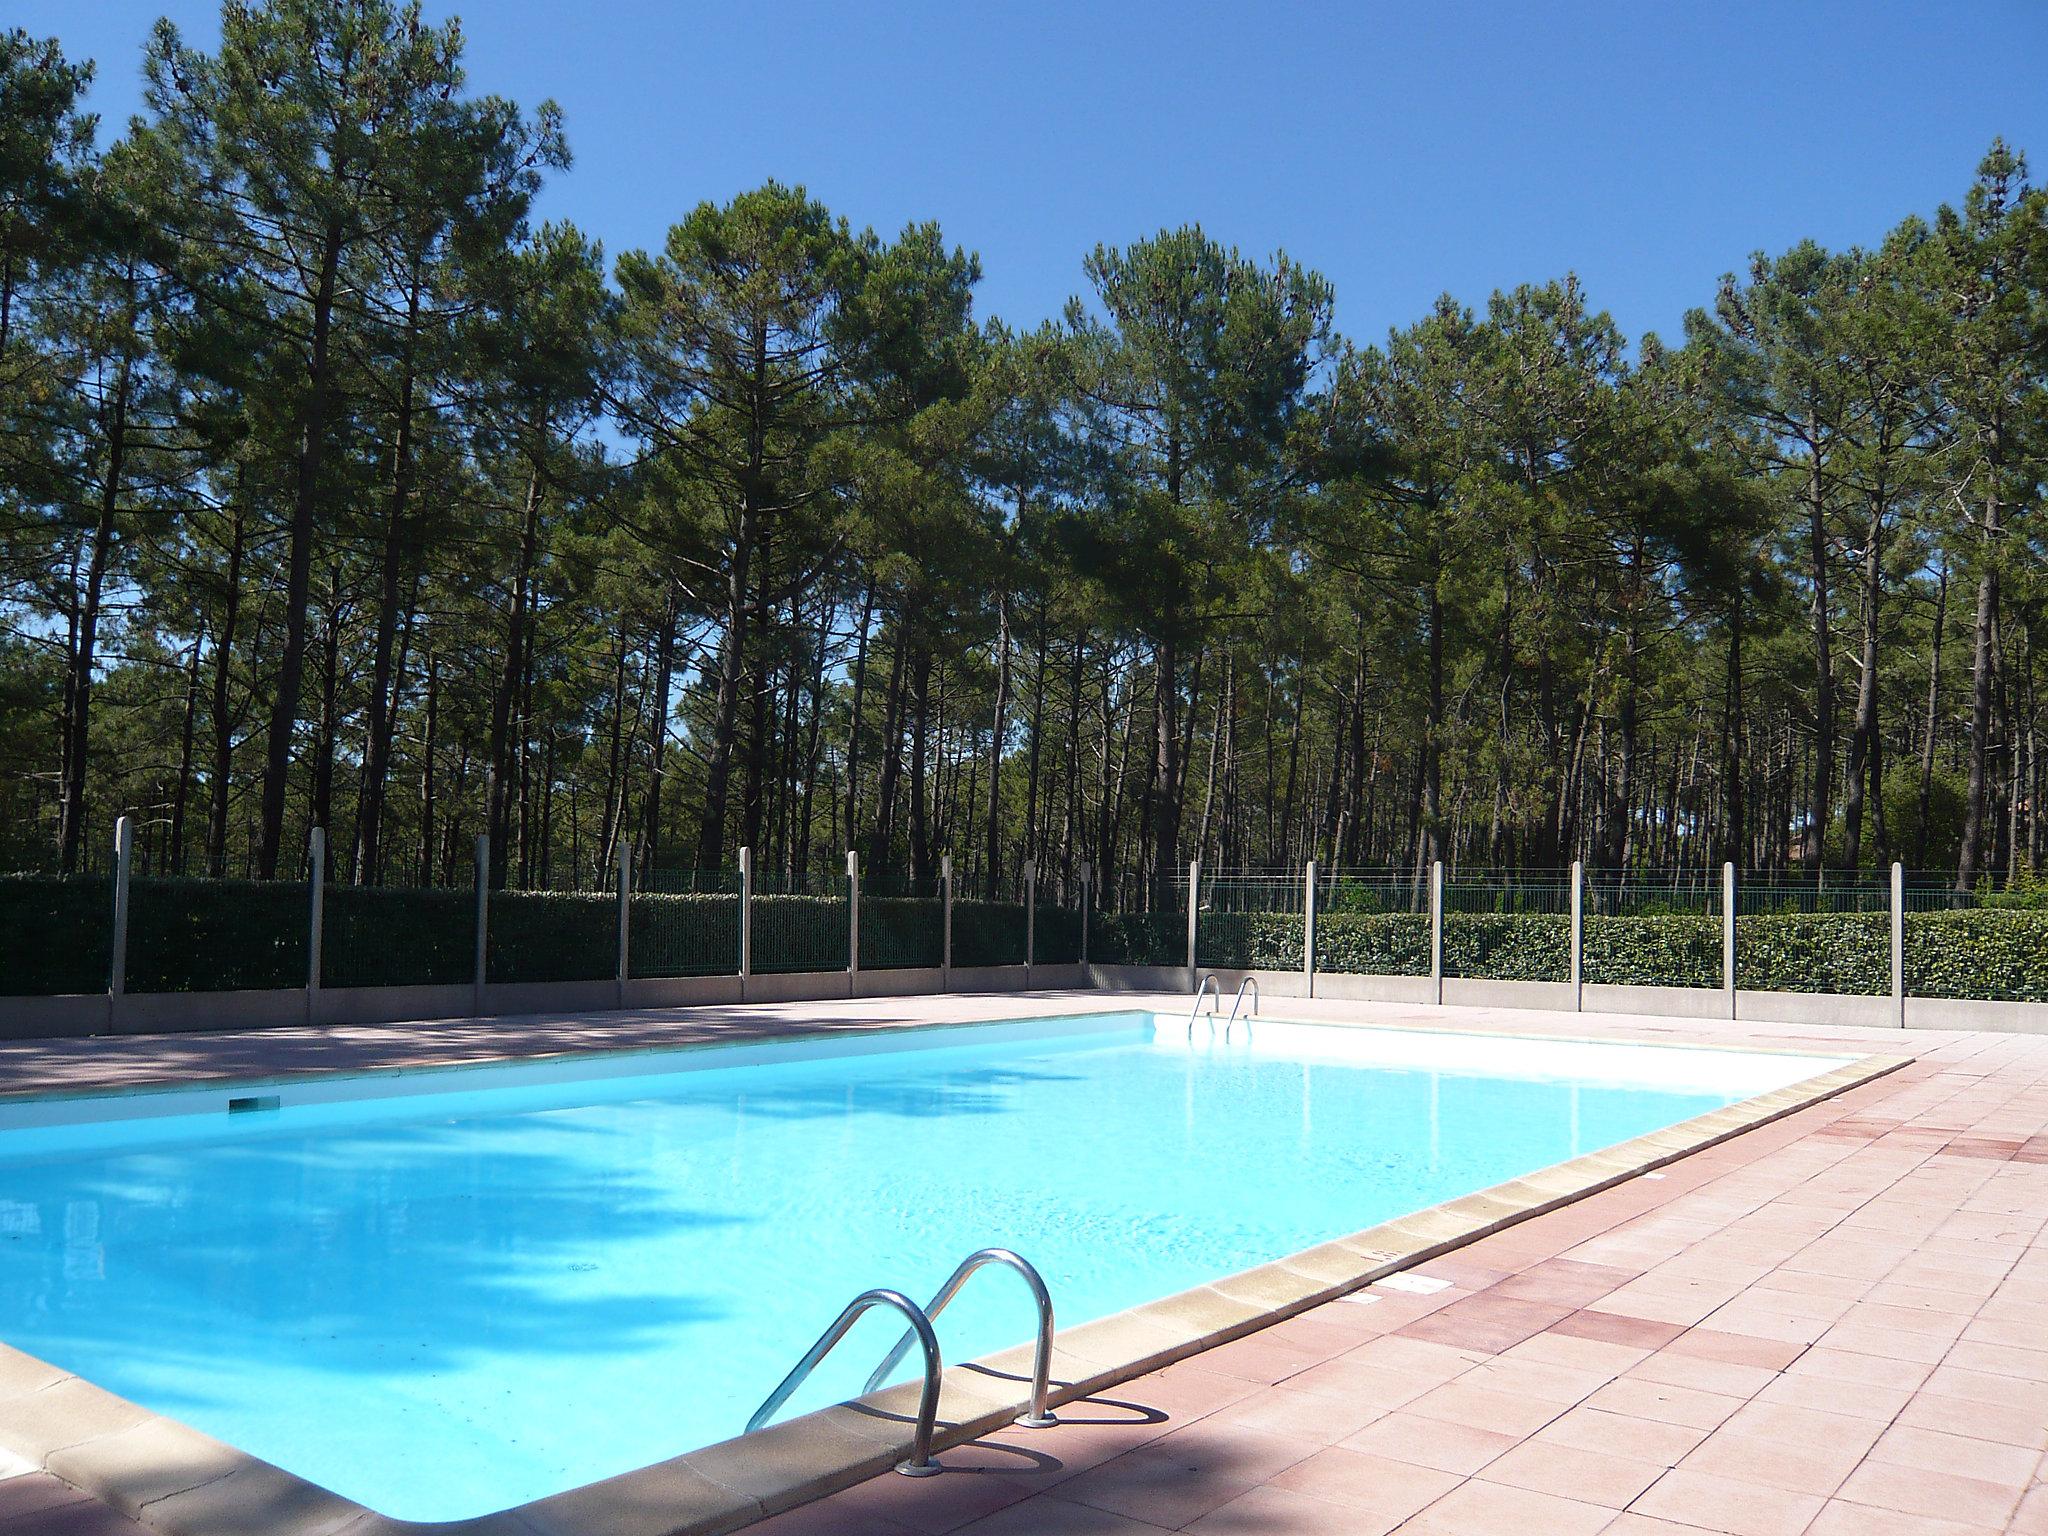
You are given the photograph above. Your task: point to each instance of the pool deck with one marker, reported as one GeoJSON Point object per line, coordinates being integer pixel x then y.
{"type": "Point", "coordinates": [1835, 1324]}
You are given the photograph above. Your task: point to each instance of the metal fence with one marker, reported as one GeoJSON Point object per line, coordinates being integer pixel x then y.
{"type": "Point", "coordinates": [1700, 929]}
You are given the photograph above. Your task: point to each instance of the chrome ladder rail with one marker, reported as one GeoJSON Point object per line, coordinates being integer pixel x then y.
{"type": "Point", "coordinates": [1039, 1415]}
{"type": "Point", "coordinates": [920, 1463]}
{"type": "Point", "coordinates": [1213, 990]}
{"type": "Point", "coordinates": [1251, 982]}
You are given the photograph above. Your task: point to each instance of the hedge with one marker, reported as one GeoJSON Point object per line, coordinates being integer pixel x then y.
{"type": "Point", "coordinates": [379, 936]}
{"type": "Point", "coordinates": [900, 932]}
{"type": "Point", "coordinates": [800, 933]}
{"type": "Point", "coordinates": [1997, 954]}
{"type": "Point", "coordinates": [1138, 938]}
{"type": "Point", "coordinates": [206, 935]}
{"type": "Point", "coordinates": [988, 932]}
{"type": "Point", "coordinates": [187, 935]}
{"type": "Point", "coordinates": [685, 934]}
{"type": "Point", "coordinates": [56, 934]}
{"type": "Point", "coordinates": [552, 936]}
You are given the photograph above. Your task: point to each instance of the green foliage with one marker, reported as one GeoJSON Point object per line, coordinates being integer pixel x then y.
{"type": "Point", "coordinates": [1653, 951]}
{"type": "Point", "coordinates": [1989, 953]}
{"type": "Point", "coordinates": [552, 936]}
{"type": "Point", "coordinates": [1845, 952]}
{"type": "Point", "coordinates": [800, 933]}
{"type": "Point", "coordinates": [903, 932]}
{"type": "Point", "coordinates": [1376, 944]}
{"type": "Point", "coordinates": [1508, 946]}
{"type": "Point", "coordinates": [54, 934]}
{"type": "Point", "coordinates": [216, 935]}
{"type": "Point", "coordinates": [692, 934]}
{"type": "Point", "coordinates": [381, 936]}
{"type": "Point", "coordinates": [1137, 938]}
{"type": "Point", "coordinates": [988, 933]}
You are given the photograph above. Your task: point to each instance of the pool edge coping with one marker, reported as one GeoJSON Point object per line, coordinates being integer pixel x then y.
{"type": "Point", "coordinates": [185, 1483]}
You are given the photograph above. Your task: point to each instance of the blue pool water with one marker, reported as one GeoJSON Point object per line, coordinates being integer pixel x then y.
{"type": "Point", "coordinates": [452, 1302]}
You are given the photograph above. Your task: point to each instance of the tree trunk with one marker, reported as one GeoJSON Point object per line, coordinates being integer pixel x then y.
{"type": "Point", "coordinates": [1982, 661]}
{"type": "Point", "coordinates": [291, 665]}
{"type": "Point", "coordinates": [999, 727]}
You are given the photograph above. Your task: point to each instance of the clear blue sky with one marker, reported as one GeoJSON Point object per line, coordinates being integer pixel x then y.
{"type": "Point", "coordinates": [1403, 149]}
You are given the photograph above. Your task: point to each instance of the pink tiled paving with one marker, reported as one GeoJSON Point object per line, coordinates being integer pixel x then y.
{"type": "Point", "coordinates": [1836, 1325]}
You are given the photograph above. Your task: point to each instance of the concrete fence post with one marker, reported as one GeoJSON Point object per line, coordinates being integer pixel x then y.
{"type": "Point", "coordinates": [625, 957]}
{"type": "Point", "coordinates": [852, 922]}
{"type": "Point", "coordinates": [1308, 929]}
{"type": "Point", "coordinates": [1030, 917]}
{"type": "Point", "coordinates": [946, 921]}
{"type": "Point", "coordinates": [117, 953]}
{"type": "Point", "coordinates": [483, 916]}
{"type": "Point", "coordinates": [1728, 935]}
{"type": "Point", "coordinates": [1899, 942]}
{"type": "Point", "coordinates": [1578, 936]}
{"type": "Point", "coordinates": [1194, 907]}
{"type": "Point", "coordinates": [746, 920]}
{"type": "Point", "coordinates": [1436, 928]}
{"type": "Point", "coordinates": [316, 916]}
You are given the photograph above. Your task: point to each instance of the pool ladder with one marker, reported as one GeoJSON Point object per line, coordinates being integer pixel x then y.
{"type": "Point", "coordinates": [1212, 990]}
{"type": "Point", "coordinates": [921, 1463]}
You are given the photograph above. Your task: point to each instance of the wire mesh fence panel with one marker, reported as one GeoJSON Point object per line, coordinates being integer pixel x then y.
{"type": "Point", "coordinates": [1372, 923]}
{"type": "Point", "coordinates": [685, 922]}
{"type": "Point", "coordinates": [194, 935]}
{"type": "Point", "coordinates": [56, 934]}
{"type": "Point", "coordinates": [1808, 936]}
{"type": "Point", "coordinates": [801, 923]}
{"type": "Point", "coordinates": [1652, 928]}
{"type": "Point", "coordinates": [1137, 938]}
{"type": "Point", "coordinates": [903, 930]}
{"type": "Point", "coordinates": [555, 935]}
{"type": "Point", "coordinates": [1057, 940]}
{"type": "Point", "coordinates": [1969, 944]}
{"type": "Point", "coordinates": [1512, 927]}
{"type": "Point", "coordinates": [1250, 922]}
{"type": "Point", "coordinates": [988, 932]}
{"type": "Point", "coordinates": [395, 936]}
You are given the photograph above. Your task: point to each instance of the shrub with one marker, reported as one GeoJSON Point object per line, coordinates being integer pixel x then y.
{"type": "Point", "coordinates": [56, 934]}
{"type": "Point", "coordinates": [383, 936]}
{"type": "Point", "coordinates": [190, 935]}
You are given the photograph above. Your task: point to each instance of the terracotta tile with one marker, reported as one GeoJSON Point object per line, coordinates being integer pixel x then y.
{"type": "Point", "coordinates": [1736, 1348]}
{"type": "Point", "coordinates": [1726, 1504]}
{"type": "Point", "coordinates": [1666, 1404]}
{"type": "Point", "coordinates": [1841, 1518]}
{"type": "Point", "coordinates": [1674, 1369]}
{"type": "Point", "coordinates": [1614, 1328]}
{"type": "Point", "coordinates": [1797, 1466]}
{"type": "Point", "coordinates": [1940, 1495]}
{"type": "Point", "coordinates": [1502, 1412]}
{"type": "Point", "coordinates": [1270, 1511]}
{"type": "Point", "coordinates": [1305, 1416]}
{"type": "Point", "coordinates": [1429, 1443]}
{"type": "Point", "coordinates": [1358, 1478]}
{"type": "Point", "coordinates": [1350, 1380]}
{"type": "Point", "coordinates": [1047, 1514]}
{"type": "Point", "coordinates": [1906, 1445]}
{"type": "Point", "coordinates": [1486, 1323]}
{"type": "Point", "coordinates": [1185, 1475]}
{"type": "Point", "coordinates": [1480, 1508]}
{"type": "Point", "coordinates": [1636, 1439]}
{"type": "Point", "coordinates": [1575, 1473]}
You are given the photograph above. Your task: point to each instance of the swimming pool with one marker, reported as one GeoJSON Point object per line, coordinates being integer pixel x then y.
{"type": "Point", "coordinates": [444, 1293]}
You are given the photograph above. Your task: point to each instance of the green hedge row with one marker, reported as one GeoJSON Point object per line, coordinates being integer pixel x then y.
{"type": "Point", "coordinates": [216, 935]}
{"type": "Point", "coordinates": [56, 935]}
{"type": "Point", "coordinates": [381, 936]}
{"type": "Point", "coordinates": [206, 935]}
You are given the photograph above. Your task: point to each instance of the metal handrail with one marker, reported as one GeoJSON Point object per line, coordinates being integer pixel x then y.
{"type": "Point", "coordinates": [920, 1463]}
{"type": "Point", "coordinates": [1237, 1002]}
{"type": "Point", "coordinates": [1039, 1416]}
{"type": "Point", "coordinates": [1213, 990]}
